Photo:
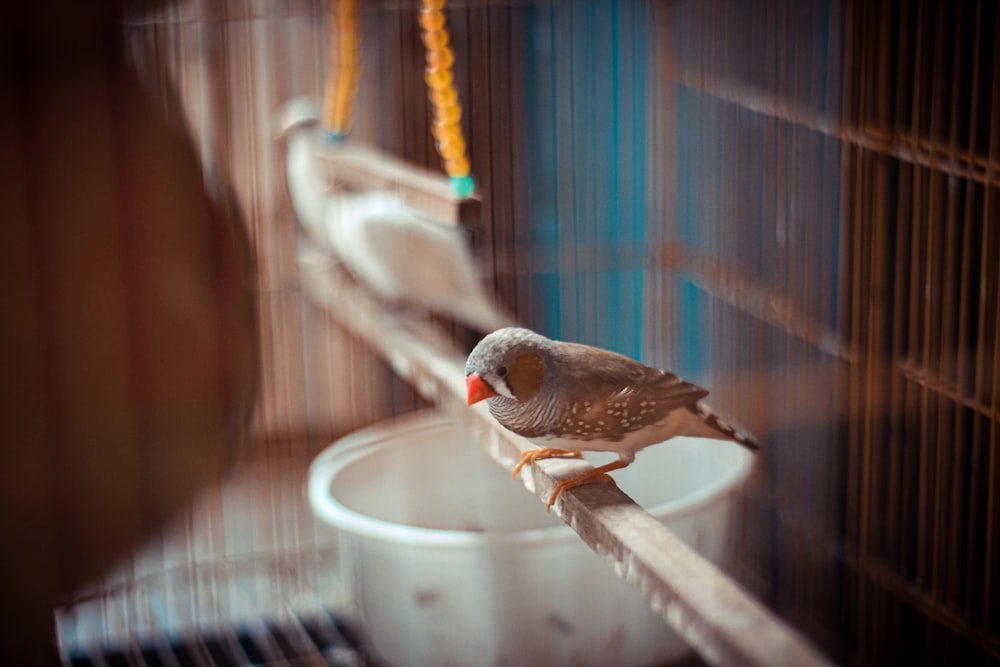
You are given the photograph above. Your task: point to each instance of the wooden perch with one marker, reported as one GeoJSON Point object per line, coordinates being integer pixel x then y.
{"type": "Point", "coordinates": [361, 168]}
{"type": "Point", "coordinates": [716, 617]}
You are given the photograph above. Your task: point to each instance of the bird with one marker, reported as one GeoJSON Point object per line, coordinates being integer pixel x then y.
{"type": "Point", "coordinates": [567, 397]}
{"type": "Point", "coordinates": [399, 253]}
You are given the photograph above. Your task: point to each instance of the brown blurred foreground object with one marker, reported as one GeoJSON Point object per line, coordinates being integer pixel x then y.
{"type": "Point", "coordinates": [128, 335]}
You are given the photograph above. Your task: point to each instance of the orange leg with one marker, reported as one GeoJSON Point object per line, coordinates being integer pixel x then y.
{"type": "Point", "coordinates": [599, 474]}
{"type": "Point", "coordinates": [533, 455]}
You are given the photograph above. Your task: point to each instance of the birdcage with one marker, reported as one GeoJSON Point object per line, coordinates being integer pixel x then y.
{"type": "Point", "coordinates": [793, 204]}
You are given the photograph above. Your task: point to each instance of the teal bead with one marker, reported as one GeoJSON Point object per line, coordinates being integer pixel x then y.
{"type": "Point", "coordinates": [463, 186]}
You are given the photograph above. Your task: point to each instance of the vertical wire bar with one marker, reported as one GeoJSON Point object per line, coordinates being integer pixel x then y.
{"type": "Point", "coordinates": [787, 186]}
{"type": "Point", "coordinates": [896, 523]}
{"type": "Point", "coordinates": [867, 210]}
{"type": "Point", "coordinates": [580, 224]}
{"type": "Point", "coordinates": [413, 111]}
{"type": "Point", "coordinates": [547, 129]}
{"type": "Point", "coordinates": [967, 372]}
{"type": "Point", "coordinates": [856, 509]}
{"type": "Point", "coordinates": [991, 583]}
{"type": "Point", "coordinates": [635, 48]}
{"type": "Point", "coordinates": [637, 45]}
{"type": "Point", "coordinates": [664, 175]}
{"type": "Point", "coordinates": [582, 68]}
{"type": "Point", "coordinates": [835, 32]}
{"type": "Point", "coordinates": [859, 216]}
{"type": "Point", "coordinates": [850, 319]}
{"type": "Point", "coordinates": [564, 42]}
{"type": "Point", "coordinates": [881, 208]}
{"type": "Point", "coordinates": [899, 520]}
{"type": "Point", "coordinates": [957, 289]}
{"type": "Point", "coordinates": [496, 103]}
{"type": "Point", "coordinates": [878, 209]}
{"type": "Point", "coordinates": [991, 258]}
{"type": "Point", "coordinates": [977, 564]}
{"type": "Point", "coordinates": [969, 564]}
{"type": "Point", "coordinates": [393, 42]}
{"type": "Point", "coordinates": [697, 228]}
{"type": "Point", "coordinates": [917, 320]}
{"type": "Point", "coordinates": [930, 491]}
{"type": "Point", "coordinates": [654, 299]}
{"type": "Point", "coordinates": [701, 50]}
{"type": "Point", "coordinates": [951, 476]}
{"type": "Point", "coordinates": [811, 156]}
{"type": "Point", "coordinates": [502, 105]}
{"type": "Point", "coordinates": [917, 454]}
{"type": "Point", "coordinates": [944, 314]}
{"type": "Point", "coordinates": [562, 166]}
{"type": "Point", "coordinates": [709, 220]}
{"type": "Point", "coordinates": [847, 322]}
{"type": "Point", "coordinates": [527, 277]}
{"type": "Point", "coordinates": [891, 399]}
{"type": "Point", "coordinates": [484, 97]}
{"type": "Point", "coordinates": [932, 345]}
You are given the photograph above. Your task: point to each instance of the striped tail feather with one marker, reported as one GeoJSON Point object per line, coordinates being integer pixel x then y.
{"type": "Point", "coordinates": [718, 427]}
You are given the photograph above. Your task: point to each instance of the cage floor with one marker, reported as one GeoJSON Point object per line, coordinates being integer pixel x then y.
{"type": "Point", "coordinates": [247, 577]}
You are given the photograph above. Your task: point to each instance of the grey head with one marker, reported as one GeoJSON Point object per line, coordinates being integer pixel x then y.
{"type": "Point", "coordinates": [512, 362]}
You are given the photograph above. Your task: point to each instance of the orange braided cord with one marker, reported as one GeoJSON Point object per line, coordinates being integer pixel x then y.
{"type": "Point", "coordinates": [447, 128]}
{"type": "Point", "coordinates": [342, 78]}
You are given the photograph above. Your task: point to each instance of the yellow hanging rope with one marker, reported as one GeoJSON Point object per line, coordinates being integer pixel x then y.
{"type": "Point", "coordinates": [447, 128]}
{"type": "Point", "coordinates": [342, 78]}
{"type": "Point", "coordinates": [342, 84]}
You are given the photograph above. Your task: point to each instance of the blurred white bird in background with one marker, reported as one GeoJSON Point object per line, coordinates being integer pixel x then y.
{"type": "Point", "coordinates": [403, 256]}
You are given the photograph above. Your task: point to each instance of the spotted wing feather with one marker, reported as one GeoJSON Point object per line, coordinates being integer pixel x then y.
{"type": "Point", "coordinates": [607, 395]}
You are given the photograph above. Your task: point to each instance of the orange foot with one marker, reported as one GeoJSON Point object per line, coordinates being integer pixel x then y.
{"type": "Point", "coordinates": [533, 455]}
{"type": "Point", "coordinates": [599, 474]}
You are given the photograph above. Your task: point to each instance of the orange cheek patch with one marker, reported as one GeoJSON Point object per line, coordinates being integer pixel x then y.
{"type": "Point", "coordinates": [525, 376]}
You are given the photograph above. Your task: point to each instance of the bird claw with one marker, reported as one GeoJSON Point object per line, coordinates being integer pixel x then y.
{"type": "Point", "coordinates": [533, 455]}
{"type": "Point", "coordinates": [563, 485]}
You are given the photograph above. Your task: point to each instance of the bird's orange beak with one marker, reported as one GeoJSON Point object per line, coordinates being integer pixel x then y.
{"type": "Point", "coordinates": [477, 389]}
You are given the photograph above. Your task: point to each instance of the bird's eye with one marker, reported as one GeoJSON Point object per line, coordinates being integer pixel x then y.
{"type": "Point", "coordinates": [502, 371]}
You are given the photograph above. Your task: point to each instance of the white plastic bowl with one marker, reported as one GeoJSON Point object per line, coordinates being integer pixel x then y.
{"type": "Point", "coordinates": [451, 563]}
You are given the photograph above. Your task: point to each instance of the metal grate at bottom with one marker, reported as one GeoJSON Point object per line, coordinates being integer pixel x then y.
{"type": "Point", "coordinates": [317, 639]}
{"type": "Point", "coordinates": [282, 608]}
